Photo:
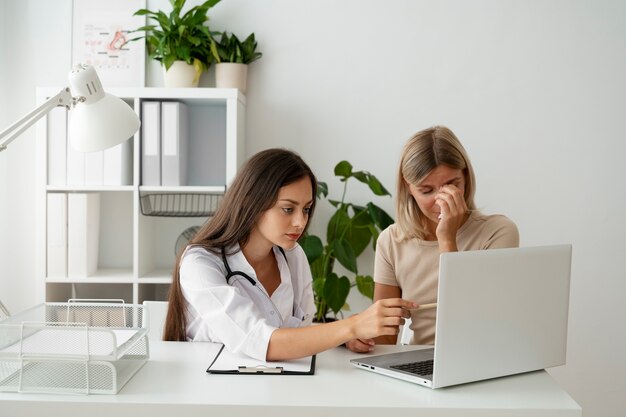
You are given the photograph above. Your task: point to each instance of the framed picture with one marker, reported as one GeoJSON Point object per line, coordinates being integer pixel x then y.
{"type": "Point", "coordinates": [100, 30]}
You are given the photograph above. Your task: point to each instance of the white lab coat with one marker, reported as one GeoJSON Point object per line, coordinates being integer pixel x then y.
{"type": "Point", "coordinates": [240, 315]}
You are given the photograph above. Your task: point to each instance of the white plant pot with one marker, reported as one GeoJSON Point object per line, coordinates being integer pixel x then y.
{"type": "Point", "coordinates": [229, 75]}
{"type": "Point", "coordinates": [181, 74]}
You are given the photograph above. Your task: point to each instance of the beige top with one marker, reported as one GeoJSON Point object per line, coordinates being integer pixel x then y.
{"type": "Point", "coordinates": [413, 264]}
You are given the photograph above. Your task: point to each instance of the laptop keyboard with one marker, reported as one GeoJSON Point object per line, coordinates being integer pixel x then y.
{"type": "Point", "coordinates": [423, 368]}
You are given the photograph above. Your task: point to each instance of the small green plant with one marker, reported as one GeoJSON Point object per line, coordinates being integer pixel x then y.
{"type": "Point", "coordinates": [230, 49]}
{"type": "Point", "coordinates": [350, 230]}
{"type": "Point", "coordinates": [179, 38]}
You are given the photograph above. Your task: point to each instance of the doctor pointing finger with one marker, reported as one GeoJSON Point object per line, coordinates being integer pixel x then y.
{"type": "Point", "coordinates": [244, 281]}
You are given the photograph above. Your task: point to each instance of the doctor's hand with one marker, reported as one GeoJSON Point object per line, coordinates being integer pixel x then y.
{"type": "Point", "coordinates": [453, 211]}
{"type": "Point", "coordinates": [384, 317]}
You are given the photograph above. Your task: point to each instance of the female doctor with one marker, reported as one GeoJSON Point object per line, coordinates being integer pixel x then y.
{"type": "Point", "coordinates": [244, 281]}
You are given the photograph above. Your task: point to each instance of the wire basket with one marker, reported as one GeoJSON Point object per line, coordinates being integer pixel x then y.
{"type": "Point", "coordinates": [180, 204]}
{"type": "Point", "coordinates": [74, 347]}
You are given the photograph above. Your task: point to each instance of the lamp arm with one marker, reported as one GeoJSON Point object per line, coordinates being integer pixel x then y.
{"type": "Point", "coordinates": [63, 98]}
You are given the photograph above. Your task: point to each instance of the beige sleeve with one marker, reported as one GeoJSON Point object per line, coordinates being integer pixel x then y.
{"type": "Point", "coordinates": [503, 233]}
{"type": "Point", "coordinates": [384, 269]}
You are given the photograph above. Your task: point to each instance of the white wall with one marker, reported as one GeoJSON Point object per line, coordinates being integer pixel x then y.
{"type": "Point", "coordinates": [535, 90]}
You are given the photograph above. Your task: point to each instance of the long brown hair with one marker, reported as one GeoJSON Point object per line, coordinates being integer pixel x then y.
{"type": "Point", "coordinates": [422, 153]}
{"type": "Point", "coordinates": [254, 190]}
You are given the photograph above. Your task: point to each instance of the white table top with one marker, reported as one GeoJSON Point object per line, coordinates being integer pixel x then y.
{"type": "Point", "coordinates": [174, 383]}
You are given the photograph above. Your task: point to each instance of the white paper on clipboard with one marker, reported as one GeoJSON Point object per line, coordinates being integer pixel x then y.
{"type": "Point", "coordinates": [228, 362]}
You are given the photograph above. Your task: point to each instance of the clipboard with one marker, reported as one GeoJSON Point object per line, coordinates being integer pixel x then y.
{"type": "Point", "coordinates": [227, 363]}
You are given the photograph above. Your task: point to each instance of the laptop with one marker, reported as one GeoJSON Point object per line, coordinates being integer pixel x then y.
{"type": "Point", "coordinates": [500, 312]}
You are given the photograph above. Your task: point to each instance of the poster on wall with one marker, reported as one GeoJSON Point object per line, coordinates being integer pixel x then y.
{"type": "Point", "coordinates": [100, 30]}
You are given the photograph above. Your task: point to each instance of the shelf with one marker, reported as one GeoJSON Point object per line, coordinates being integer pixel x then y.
{"type": "Point", "coordinates": [163, 280]}
{"type": "Point", "coordinates": [89, 188]}
{"type": "Point", "coordinates": [205, 95]}
{"type": "Point", "coordinates": [102, 276]}
{"type": "Point", "coordinates": [190, 189]}
{"type": "Point", "coordinates": [137, 243]}
{"type": "Point", "coordinates": [157, 276]}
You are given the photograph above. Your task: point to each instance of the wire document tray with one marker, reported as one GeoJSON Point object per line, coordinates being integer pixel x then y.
{"type": "Point", "coordinates": [74, 347]}
{"type": "Point", "coordinates": [180, 204]}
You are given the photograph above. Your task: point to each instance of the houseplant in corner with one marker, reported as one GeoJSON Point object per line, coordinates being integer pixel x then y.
{"type": "Point", "coordinates": [180, 43]}
{"type": "Point", "coordinates": [350, 230]}
{"type": "Point", "coordinates": [232, 58]}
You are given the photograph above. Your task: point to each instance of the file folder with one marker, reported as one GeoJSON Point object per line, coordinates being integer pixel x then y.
{"type": "Point", "coordinates": [173, 143]}
{"type": "Point", "coordinates": [118, 164]}
{"type": "Point", "coordinates": [57, 146]}
{"type": "Point", "coordinates": [56, 235]}
{"type": "Point", "coordinates": [151, 143]}
{"type": "Point", "coordinates": [232, 364]}
{"type": "Point", "coordinates": [94, 168]}
{"type": "Point", "coordinates": [83, 232]}
{"type": "Point", "coordinates": [75, 161]}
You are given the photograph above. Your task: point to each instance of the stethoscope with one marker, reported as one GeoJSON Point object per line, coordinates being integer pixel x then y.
{"type": "Point", "coordinates": [230, 273]}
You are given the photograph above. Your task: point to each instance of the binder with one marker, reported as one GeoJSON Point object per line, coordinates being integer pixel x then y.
{"type": "Point", "coordinates": [94, 168]}
{"type": "Point", "coordinates": [57, 235]}
{"type": "Point", "coordinates": [83, 232]}
{"type": "Point", "coordinates": [118, 164]}
{"type": "Point", "coordinates": [232, 364]}
{"type": "Point", "coordinates": [75, 162]}
{"type": "Point", "coordinates": [173, 143]}
{"type": "Point", "coordinates": [57, 146]}
{"type": "Point", "coordinates": [151, 143]}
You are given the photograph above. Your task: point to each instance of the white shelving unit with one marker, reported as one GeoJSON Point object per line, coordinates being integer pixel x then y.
{"type": "Point", "coordinates": [136, 252]}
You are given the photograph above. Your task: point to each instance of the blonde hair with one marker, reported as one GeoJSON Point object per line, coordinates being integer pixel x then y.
{"type": "Point", "coordinates": [422, 153]}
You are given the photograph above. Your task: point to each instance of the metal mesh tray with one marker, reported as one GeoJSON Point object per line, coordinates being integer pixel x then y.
{"type": "Point", "coordinates": [73, 347]}
{"type": "Point", "coordinates": [180, 204]}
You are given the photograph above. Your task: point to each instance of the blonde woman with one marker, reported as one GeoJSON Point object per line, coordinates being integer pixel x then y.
{"type": "Point", "coordinates": [435, 213]}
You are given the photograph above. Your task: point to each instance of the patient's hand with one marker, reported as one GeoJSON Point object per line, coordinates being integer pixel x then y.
{"type": "Point", "coordinates": [360, 345]}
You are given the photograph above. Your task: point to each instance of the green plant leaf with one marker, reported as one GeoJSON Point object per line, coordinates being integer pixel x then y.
{"type": "Point", "coordinates": [178, 37]}
{"type": "Point", "coordinates": [319, 267]}
{"type": "Point", "coordinates": [322, 189]}
{"type": "Point", "coordinates": [230, 49]}
{"type": "Point", "coordinates": [365, 284]}
{"type": "Point", "coordinates": [379, 216]}
{"type": "Point", "coordinates": [375, 234]}
{"type": "Point", "coordinates": [343, 169]}
{"type": "Point", "coordinates": [345, 254]}
{"type": "Point", "coordinates": [312, 246]}
{"type": "Point", "coordinates": [337, 224]}
{"type": "Point", "coordinates": [350, 229]}
{"type": "Point", "coordinates": [376, 187]}
{"type": "Point", "coordinates": [209, 3]}
{"type": "Point", "coordinates": [358, 233]}
{"type": "Point", "coordinates": [318, 286]}
{"type": "Point", "coordinates": [336, 291]}
{"type": "Point", "coordinates": [362, 176]}
{"type": "Point", "coordinates": [334, 203]}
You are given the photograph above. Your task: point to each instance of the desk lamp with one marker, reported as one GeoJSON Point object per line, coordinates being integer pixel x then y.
{"type": "Point", "coordinates": [99, 120]}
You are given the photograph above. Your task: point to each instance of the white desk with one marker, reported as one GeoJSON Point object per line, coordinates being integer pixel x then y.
{"type": "Point", "coordinates": [174, 383]}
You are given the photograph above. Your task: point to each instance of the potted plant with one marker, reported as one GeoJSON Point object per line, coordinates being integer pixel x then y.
{"type": "Point", "coordinates": [182, 44]}
{"type": "Point", "coordinates": [350, 230]}
{"type": "Point", "coordinates": [232, 57]}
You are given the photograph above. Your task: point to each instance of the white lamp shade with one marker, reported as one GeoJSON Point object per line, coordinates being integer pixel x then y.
{"type": "Point", "coordinates": [100, 120]}
{"type": "Point", "coordinates": [102, 125]}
